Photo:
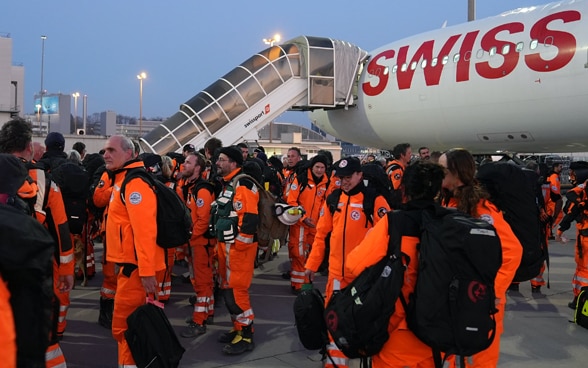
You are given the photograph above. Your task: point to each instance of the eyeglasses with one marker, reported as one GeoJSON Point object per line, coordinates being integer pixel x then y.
{"type": "Point", "coordinates": [222, 159]}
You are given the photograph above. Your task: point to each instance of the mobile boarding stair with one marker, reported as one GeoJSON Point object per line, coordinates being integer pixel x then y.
{"type": "Point", "coordinates": [305, 73]}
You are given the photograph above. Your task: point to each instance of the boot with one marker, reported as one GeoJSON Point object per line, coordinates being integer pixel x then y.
{"type": "Point", "coordinates": [242, 342]}
{"type": "Point", "coordinates": [106, 310]}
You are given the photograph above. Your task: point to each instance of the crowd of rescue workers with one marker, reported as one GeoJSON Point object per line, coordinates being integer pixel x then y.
{"type": "Point", "coordinates": [45, 184]}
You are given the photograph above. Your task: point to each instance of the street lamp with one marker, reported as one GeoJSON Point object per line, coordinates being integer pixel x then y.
{"type": "Point", "coordinates": [43, 38]}
{"type": "Point", "coordinates": [140, 77]}
{"type": "Point", "coordinates": [75, 96]}
{"type": "Point", "coordinates": [274, 39]}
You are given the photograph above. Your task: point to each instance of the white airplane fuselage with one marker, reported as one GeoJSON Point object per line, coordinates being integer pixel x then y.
{"type": "Point", "coordinates": [515, 82]}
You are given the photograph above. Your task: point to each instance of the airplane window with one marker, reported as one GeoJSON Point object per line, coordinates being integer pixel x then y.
{"type": "Point", "coordinates": [505, 49]}
{"type": "Point", "coordinates": [467, 56]}
{"type": "Point", "coordinates": [480, 53]}
{"type": "Point", "coordinates": [424, 63]}
{"type": "Point", "coordinates": [492, 51]}
{"type": "Point", "coordinates": [394, 69]}
{"type": "Point", "coordinates": [434, 62]}
{"type": "Point", "coordinates": [520, 46]}
{"type": "Point", "coordinates": [533, 44]}
{"type": "Point", "coordinates": [456, 57]}
{"type": "Point", "coordinates": [404, 67]}
{"type": "Point", "coordinates": [413, 65]}
{"type": "Point", "coordinates": [445, 59]}
{"type": "Point", "coordinates": [251, 91]}
{"type": "Point", "coordinates": [386, 70]}
{"type": "Point", "coordinates": [548, 41]}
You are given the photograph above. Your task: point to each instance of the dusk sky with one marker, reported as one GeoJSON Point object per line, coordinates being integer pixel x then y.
{"type": "Point", "coordinates": [97, 48]}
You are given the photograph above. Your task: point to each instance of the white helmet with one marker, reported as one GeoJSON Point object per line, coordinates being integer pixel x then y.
{"type": "Point", "coordinates": [288, 215]}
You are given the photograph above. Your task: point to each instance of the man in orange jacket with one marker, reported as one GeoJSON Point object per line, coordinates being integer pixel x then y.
{"type": "Point", "coordinates": [47, 202]}
{"type": "Point", "coordinates": [131, 234]}
{"type": "Point", "coordinates": [101, 198]}
{"type": "Point", "coordinates": [348, 225]}
{"type": "Point", "coordinates": [199, 195]}
{"type": "Point", "coordinates": [575, 210]}
{"type": "Point", "coordinates": [235, 219]}
{"type": "Point", "coordinates": [308, 190]}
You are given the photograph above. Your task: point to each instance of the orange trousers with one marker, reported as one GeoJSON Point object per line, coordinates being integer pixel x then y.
{"type": "Point", "coordinates": [201, 276]}
{"type": "Point", "coordinates": [7, 332]}
{"type": "Point", "coordinates": [130, 295]}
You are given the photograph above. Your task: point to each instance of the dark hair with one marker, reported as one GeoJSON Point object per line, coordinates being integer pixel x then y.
{"type": "Point", "coordinates": [422, 180]}
{"type": "Point", "coordinates": [295, 149]}
{"type": "Point", "coordinates": [461, 163]}
{"type": "Point", "coordinates": [400, 149]}
{"type": "Point", "coordinates": [212, 145]}
{"type": "Point", "coordinates": [242, 145]}
{"type": "Point", "coordinates": [15, 135]}
{"type": "Point", "coordinates": [80, 147]}
{"type": "Point", "coordinates": [200, 161]}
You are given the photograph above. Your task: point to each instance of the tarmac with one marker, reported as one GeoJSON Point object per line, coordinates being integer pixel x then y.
{"type": "Point", "coordinates": [538, 332]}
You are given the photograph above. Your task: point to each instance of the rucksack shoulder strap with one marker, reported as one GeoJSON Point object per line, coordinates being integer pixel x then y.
{"type": "Point", "coordinates": [369, 198]}
{"type": "Point", "coordinates": [135, 173]}
{"type": "Point", "coordinates": [333, 200]}
{"type": "Point", "coordinates": [247, 177]}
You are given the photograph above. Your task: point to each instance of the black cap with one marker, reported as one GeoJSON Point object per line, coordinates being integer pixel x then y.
{"type": "Point", "coordinates": [233, 153]}
{"type": "Point", "coordinates": [189, 148]}
{"type": "Point", "coordinates": [13, 172]}
{"type": "Point", "coordinates": [347, 166]}
{"type": "Point", "coordinates": [55, 142]}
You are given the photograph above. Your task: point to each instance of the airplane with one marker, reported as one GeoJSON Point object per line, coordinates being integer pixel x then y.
{"type": "Point", "coordinates": [513, 82]}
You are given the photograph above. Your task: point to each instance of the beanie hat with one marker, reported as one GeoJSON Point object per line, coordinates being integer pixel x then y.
{"type": "Point", "coordinates": [13, 172]}
{"type": "Point", "coordinates": [55, 142]}
{"type": "Point", "coordinates": [319, 158]}
{"type": "Point", "coordinates": [233, 153]}
{"type": "Point", "coordinates": [150, 159]}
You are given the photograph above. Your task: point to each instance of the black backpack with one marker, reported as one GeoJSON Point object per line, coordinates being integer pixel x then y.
{"type": "Point", "coordinates": [358, 316]}
{"type": "Point", "coordinates": [309, 309]}
{"type": "Point", "coordinates": [510, 191]}
{"type": "Point", "coordinates": [581, 312]}
{"type": "Point", "coordinates": [453, 305]}
{"type": "Point", "coordinates": [74, 182]}
{"type": "Point", "coordinates": [174, 222]}
{"type": "Point", "coordinates": [26, 265]}
{"type": "Point", "coordinates": [151, 338]}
